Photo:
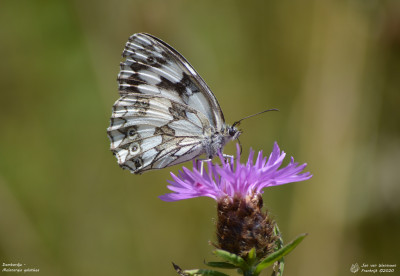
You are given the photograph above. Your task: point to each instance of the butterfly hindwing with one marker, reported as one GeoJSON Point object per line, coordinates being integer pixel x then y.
{"type": "Point", "coordinates": [148, 132]}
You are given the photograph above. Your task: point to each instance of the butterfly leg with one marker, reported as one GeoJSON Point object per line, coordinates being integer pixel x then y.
{"type": "Point", "coordinates": [202, 161]}
{"type": "Point", "coordinates": [226, 156]}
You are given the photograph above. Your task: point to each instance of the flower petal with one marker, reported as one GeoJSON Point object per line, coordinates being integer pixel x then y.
{"type": "Point", "coordinates": [230, 179]}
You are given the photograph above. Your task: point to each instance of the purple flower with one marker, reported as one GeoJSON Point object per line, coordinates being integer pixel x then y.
{"type": "Point", "coordinates": [228, 180]}
{"type": "Point", "coordinates": [242, 225]}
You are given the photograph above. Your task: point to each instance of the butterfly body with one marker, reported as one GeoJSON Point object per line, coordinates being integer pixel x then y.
{"type": "Point", "coordinates": [166, 114]}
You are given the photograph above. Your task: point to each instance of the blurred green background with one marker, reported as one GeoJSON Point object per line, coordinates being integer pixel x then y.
{"type": "Point", "coordinates": [331, 67]}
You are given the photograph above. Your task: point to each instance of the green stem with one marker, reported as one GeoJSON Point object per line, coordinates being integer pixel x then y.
{"type": "Point", "coordinates": [279, 265]}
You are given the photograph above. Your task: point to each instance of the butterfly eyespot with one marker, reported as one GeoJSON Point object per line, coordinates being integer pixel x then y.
{"type": "Point", "coordinates": [132, 133]}
{"type": "Point", "coordinates": [134, 148]}
{"type": "Point", "coordinates": [138, 162]}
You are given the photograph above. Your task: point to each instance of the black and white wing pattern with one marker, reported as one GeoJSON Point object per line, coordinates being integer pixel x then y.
{"type": "Point", "coordinates": [166, 114]}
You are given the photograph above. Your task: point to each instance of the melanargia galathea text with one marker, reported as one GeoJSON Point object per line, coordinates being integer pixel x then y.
{"type": "Point", "coordinates": [166, 114]}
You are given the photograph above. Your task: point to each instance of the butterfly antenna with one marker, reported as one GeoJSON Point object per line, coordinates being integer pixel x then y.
{"type": "Point", "coordinates": [238, 122]}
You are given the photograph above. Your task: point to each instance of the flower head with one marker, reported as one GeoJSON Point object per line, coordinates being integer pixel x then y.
{"type": "Point", "coordinates": [242, 225]}
{"type": "Point", "coordinates": [228, 180]}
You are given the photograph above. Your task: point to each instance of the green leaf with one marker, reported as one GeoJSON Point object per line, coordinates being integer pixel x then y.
{"type": "Point", "coordinates": [221, 264]}
{"type": "Point", "coordinates": [277, 255]}
{"type": "Point", "coordinates": [232, 258]}
{"type": "Point", "coordinates": [251, 257]}
{"type": "Point", "coordinates": [204, 272]}
{"type": "Point", "coordinates": [197, 271]}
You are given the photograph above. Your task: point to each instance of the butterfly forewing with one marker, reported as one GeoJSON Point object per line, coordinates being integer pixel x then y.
{"type": "Point", "coordinates": [166, 114]}
{"type": "Point", "coordinates": [153, 67]}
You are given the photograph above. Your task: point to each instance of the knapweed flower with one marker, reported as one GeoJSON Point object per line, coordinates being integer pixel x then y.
{"type": "Point", "coordinates": [243, 180]}
{"type": "Point", "coordinates": [237, 188]}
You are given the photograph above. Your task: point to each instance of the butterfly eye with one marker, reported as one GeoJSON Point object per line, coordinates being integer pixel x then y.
{"type": "Point", "coordinates": [232, 131]}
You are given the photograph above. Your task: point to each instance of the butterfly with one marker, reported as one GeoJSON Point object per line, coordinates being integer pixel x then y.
{"type": "Point", "coordinates": [166, 113]}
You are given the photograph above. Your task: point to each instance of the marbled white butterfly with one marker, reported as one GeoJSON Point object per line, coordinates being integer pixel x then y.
{"type": "Point", "coordinates": [166, 114]}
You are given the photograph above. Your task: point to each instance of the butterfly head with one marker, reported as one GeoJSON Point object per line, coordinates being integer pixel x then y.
{"type": "Point", "coordinates": [233, 133]}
